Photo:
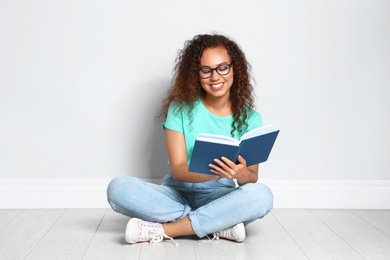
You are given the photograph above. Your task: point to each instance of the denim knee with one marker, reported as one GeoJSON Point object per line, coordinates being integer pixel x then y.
{"type": "Point", "coordinates": [265, 194]}
{"type": "Point", "coordinates": [261, 198]}
{"type": "Point", "coordinates": [115, 190]}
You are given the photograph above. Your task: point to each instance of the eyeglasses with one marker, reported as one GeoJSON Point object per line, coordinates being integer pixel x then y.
{"type": "Point", "coordinates": [222, 70]}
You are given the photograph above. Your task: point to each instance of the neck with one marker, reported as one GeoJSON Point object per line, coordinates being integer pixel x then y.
{"type": "Point", "coordinates": [218, 106]}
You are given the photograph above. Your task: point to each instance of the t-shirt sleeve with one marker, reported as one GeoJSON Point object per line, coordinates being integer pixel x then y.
{"type": "Point", "coordinates": [254, 120]}
{"type": "Point", "coordinates": [174, 120]}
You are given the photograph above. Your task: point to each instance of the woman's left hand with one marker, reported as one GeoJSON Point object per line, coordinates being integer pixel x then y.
{"type": "Point", "coordinates": [228, 169]}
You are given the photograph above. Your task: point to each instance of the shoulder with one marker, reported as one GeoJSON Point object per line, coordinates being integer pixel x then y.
{"type": "Point", "coordinates": [182, 106]}
{"type": "Point", "coordinates": [254, 118]}
{"type": "Point", "coordinates": [178, 115]}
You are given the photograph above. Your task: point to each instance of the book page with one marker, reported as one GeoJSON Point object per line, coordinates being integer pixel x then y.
{"type": "Point", "coordinates": [220, 139]}
{"type": "Point", "coordinates": [259, 131]}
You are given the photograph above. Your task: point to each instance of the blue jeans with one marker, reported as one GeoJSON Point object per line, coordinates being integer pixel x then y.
{"type": "Point", "coordinates": [211, 206]}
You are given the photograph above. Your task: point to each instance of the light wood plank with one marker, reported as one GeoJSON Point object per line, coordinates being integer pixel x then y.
{"type": "Point", "coordinates": [70, 236]}
{"type": "Point", "coordinates": [284, 234]}
{"type": "Point", "coordinates": [221, 249]}
{"type": "Point", "coordinates": [315, 239]}
{"type": "Point", "coordinates": [7, 215]}
{"type": "Point", "coordinates": [167, 250]}
{"type": "Point", "coordinates": [267, 239]}
{"type": "Point", "coordinates": [19, 237]}
{"type": "Point", "coordinates": [364, 238]}
{"type": "Point", "coordinates": [380, 219]}
{"type": "Point", "coordinates": [109, 242]}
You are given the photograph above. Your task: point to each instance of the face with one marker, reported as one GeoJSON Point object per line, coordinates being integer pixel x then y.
{"type": "Point", "coordinates": [216, 85]}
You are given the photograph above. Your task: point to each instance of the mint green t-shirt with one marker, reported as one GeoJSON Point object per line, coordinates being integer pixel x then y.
{"type": "Point", "coordinates": [203, 121]}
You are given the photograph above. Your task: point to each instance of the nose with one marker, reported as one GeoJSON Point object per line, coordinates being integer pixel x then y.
{"type": "Point", "coordinates": [214, 75]}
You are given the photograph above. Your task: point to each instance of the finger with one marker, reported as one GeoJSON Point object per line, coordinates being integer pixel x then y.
{"type": "Point", "coordinates": [233, 168]}
{"type": "Point", "coordinates": [221, 164]}
{"type": "Point", "coordinates": [225, 173]}
{"type": "Point", "coordinates": [228, 162]}
{"type": "Point", "coordinates": [229, 170]}
{"type": "Point", "coordinates": [220, 174]}
{"type": "Point", "coordinates": [216, 169]}
{"type": "Point", "coordinates": [241, 160]}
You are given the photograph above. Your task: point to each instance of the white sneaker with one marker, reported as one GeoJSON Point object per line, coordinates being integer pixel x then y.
{"type": "Point", "coordinates": [235, 233]}
{"type": "Point", "coordinates": [138, 231]}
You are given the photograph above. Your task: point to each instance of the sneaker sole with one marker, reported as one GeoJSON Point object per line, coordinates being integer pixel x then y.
{"type": "Point", "coordinates": [241, 235]}
{"type": "Point", "coordinates": [132, 222]}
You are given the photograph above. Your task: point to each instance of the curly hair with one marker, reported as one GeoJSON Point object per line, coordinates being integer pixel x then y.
{"type": "Point", "coordinates": [186, 86]}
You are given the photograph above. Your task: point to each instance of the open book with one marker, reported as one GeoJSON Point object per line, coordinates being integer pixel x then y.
{"type": "Point", "coordinates": [254, 146]}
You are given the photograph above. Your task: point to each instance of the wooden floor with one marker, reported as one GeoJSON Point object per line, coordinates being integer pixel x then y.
{"type": "Point", "coordinates": [283, 234]}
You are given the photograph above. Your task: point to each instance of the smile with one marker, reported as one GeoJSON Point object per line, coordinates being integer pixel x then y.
{"type": "Point", "coordinates": [217, 86]}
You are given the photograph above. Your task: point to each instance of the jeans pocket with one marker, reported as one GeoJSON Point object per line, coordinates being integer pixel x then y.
{"type": "Point", "coordinates": [168, 180]}
{"type": "Point", "coordinates": [224, 182]}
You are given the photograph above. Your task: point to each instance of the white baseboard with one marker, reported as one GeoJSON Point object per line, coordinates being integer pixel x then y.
{"type": "Point", "coordinates": [330, 194]}
{"type": "Point", "coordinates": [288, 193]}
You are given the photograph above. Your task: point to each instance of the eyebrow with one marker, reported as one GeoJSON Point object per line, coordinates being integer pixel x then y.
{"type": "Point", "coordinates": [223, 63]}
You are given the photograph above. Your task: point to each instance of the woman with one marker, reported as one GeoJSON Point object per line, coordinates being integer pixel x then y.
{"type": "Point", "coordinates": [211, 93]}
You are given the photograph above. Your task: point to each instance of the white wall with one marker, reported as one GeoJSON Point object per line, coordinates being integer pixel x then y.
{"type": "Point", "coordinates": [81, 83]}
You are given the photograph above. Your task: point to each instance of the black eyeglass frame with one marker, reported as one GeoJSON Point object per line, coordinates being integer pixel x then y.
{"type": "Point", "coordinates": [216, 69]}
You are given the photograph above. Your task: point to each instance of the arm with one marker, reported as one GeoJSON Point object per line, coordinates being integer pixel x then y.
{"type": "Point", "coordinates": [177, 155]}
{"type": "Point", "coordinates": [241, 172]}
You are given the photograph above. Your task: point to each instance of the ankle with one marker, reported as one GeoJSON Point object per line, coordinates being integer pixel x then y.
{"type": "Point", "coordinates": [168, 230]}
{"type": "Point", "coordinates": [181, 227]}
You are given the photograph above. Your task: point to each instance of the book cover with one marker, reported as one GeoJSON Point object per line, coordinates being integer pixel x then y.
{"type": "Point", "coordinates": [255, 146]}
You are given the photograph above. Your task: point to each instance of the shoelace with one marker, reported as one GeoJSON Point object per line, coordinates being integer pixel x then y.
{"type": "Point", "coordinates": [215, 237]}
{"type": "Point", "coordinates": [226, 233]}
{"type": "Point", "coordinates": [153, 233]}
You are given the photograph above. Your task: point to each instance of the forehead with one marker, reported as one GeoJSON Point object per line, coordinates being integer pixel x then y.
{"type": "Point", "coordinates": [214, 56]}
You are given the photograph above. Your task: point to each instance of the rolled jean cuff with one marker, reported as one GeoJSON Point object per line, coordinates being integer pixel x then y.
{"type": "Point", "coordinates": [196, 226]}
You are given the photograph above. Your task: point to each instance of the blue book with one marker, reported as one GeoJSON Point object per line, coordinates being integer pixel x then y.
{"type": "Point", "coordinates": [254, 146]}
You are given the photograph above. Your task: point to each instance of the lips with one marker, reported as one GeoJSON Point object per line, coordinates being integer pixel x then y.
{"type": "Point", "coordinates": [216, 87]}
